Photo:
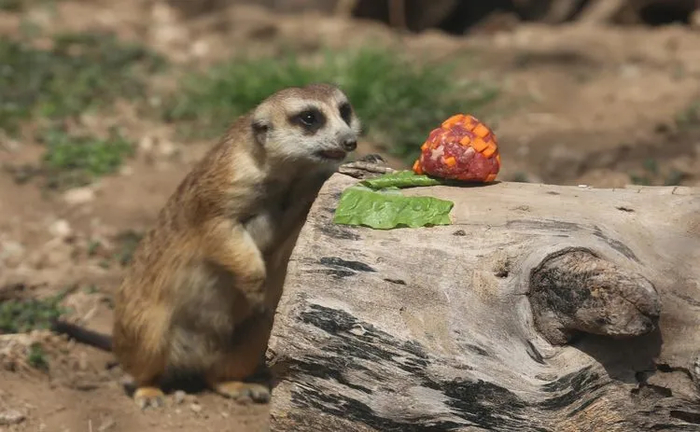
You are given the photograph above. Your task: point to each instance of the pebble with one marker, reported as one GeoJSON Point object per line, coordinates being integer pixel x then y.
{"type": "Point", "coordinates": [126, 170]}
{"type": "Point", "coordinates": [630, 71]}
{"type": "Point", "coordinates": [200, 48]}
{"type": "Point", "coordinates": [82, 362]}
{"type": "Point", "coordinates": [60, 228]}
{"type": "Point", "coordinates": [151, 146]}
{"type": "Point", "coordinates": [107, 424]}
{"type": "Point", "coordinates": [79, 196]}
{"type": "Point", "coordinates": [11, 251]}
{"type": "Point", "coordinates": [196, 408]}
{"type": "Point", "coordinates": [11, 417]}
{"type": "Point", "coordinates": [146, 144]}
{"type": "Point", "coordinates": [167, 149]}
{"type": "Point", "coordinates": [180, 397]}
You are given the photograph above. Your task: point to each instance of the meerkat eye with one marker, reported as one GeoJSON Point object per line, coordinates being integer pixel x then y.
{"type": "Point", "coordinates": [346, 112]}
{"type": "Point", "coordinates": [311, 119]}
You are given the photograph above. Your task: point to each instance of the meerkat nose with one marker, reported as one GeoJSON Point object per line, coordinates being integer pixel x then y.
{"type": "Point", "coordinates": [350, 144]}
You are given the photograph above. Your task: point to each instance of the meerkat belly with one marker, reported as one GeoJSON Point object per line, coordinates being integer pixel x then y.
{"type": "Point", "coordinates": [264, 228]}
{"type": "Point", "coordinates": [205, 318]}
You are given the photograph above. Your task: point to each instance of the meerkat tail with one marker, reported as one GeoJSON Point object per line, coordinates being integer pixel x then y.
{"type": "Point", "coordinates": [83, 335]}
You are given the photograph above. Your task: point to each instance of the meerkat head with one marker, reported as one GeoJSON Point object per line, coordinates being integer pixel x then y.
{"type": "Point", "coordinates": [315, 124]}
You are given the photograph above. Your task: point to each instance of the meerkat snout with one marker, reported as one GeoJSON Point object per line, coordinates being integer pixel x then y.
{"type": "Point", "coordinates": [349, 142]}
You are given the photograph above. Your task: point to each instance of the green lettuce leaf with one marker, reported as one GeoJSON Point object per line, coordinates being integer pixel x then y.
{"type": "Point", "coordinates": [400, 179]}
{"type": "Point", "coordinates": [388, 209]}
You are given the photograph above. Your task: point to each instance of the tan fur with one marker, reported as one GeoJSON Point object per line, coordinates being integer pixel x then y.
{"type": "Point", "coordinates": [203, 286]}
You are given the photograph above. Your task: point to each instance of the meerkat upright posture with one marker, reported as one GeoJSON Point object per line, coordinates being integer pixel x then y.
{"type": "Point", "coordinates": [203, 286]}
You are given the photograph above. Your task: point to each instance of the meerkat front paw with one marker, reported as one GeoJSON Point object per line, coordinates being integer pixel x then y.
{"type": "Point", "coordinates": [149, 397]}
{"type": "Point", "coordinates": [366, 167]}
{"type": "Point", "coordinates": [374, 158]}
{"type": "Point", "coordinates": [243, 392]}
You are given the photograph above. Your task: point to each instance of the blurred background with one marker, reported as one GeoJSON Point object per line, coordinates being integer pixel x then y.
{"type": "Point", "coordinates": [104, 105]}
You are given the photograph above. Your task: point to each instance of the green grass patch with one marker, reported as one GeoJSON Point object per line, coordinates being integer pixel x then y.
{"type": "Point", "coordinates": [23, 5]}
{"type": "Point", "coordinates": [37, 357]}
{"type": "Point", "coordinates": [12, 5]}
{"type": "Point", "coordinates": [399, 102]}
{"type": "Point", "coordinates": [652, 175]}
{"type": "Point", "coordinates": [76, 160]}
{"type": "Point", "coordinates": [127, 241]}
{"type": "Point", "coordinates": [73, 160]}
{"type": "Point", "coordinates": [81, 72]}
{"type": "Point", "coordinates": [689, 116]}
{"type": "Point", "coordinates": [24, 315]}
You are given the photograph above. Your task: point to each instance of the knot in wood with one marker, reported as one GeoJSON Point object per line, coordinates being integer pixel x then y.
{"type": "Point", "coordinates": [575, 290]}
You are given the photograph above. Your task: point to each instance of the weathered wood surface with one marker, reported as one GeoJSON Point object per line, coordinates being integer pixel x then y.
{"type": "Point", "coordinates": [432, 329]}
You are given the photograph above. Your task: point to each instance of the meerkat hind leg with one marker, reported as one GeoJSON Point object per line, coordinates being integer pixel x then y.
{"type": "Point", "coordinates": [243, 362]}
{"type": "Point", "coordinates": [149, 396]}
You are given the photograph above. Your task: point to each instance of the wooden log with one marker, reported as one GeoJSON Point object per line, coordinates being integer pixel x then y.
{"type": "Point", "coordinates": [542, 308]}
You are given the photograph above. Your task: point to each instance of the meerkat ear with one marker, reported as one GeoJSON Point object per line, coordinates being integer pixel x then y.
{"type": "Point", "coordinates": [260, 129]}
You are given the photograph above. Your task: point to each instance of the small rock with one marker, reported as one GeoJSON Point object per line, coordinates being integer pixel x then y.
{"type": "Point", "coordinates": [11, 252]}
{"type": "Point", "coordinates": [107, 424]}
{"type": "Point", "coordinates": [200, 48]}
{"type": "Point", "coordinates": [79, 196]}
{"type": "Point", "coordinates": [180, 397]}
{"type": "Point", "coordinates": [54, 253]}
{"type": "Point", "coordinates": [146, 144]}
{"type": "Point", "coordinates": [196, 408]}
{"type": "Point", "coordinates": [82, 362]}
{"type": "Point", "coordinates": [163, 13]}
{"type": "Point", "coordinates": [60, 228]}
{"type": "Point", "coordinates": [11, 417]}
{"type": "Point", "coordinates": [8, 144]}
{"type": "Point", "coordinates": [166, 148]}
{"type": "Point", "coordinates": [126, 170]}
{"type": "Point", "coordinates": [629, 71]}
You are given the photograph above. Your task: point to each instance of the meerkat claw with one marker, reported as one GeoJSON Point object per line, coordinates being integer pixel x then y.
{"type": "Point", "coordinates": [149, 397]}
{"type": "Point", "coordinates": [243, 392]}
{"type": "Point", "coordinates": [374, 158]}
{"type": "Point", "coordinates": [363, 169]}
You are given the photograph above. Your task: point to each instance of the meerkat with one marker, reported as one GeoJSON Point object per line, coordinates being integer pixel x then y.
{"type": "Point", "coordinates": [200, 293]}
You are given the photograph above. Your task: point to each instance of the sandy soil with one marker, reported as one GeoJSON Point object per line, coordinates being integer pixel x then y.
{"type": "Point", "coordinates": [579, 105]}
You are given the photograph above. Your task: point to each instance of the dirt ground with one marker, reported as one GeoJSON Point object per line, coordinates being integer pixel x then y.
{"type": "Point", "coordinates": [579, 105]}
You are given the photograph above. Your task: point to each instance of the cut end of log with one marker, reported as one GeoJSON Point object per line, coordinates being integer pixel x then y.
{"type": "Point", "coordinates": [576, 291]}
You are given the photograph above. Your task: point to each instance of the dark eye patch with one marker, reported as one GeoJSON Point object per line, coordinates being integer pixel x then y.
{"type": "Point", "coordinates": [346, 112]}
{"type": "Point", "coordinates": [310, 119]}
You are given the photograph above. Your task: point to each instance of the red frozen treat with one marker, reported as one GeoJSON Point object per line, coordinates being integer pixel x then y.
{"type": "Point", "coordinates": [462, 148]}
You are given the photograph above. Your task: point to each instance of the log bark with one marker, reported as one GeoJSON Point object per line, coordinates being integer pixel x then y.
{"type": "Point", "coordinates": [542, 308]}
